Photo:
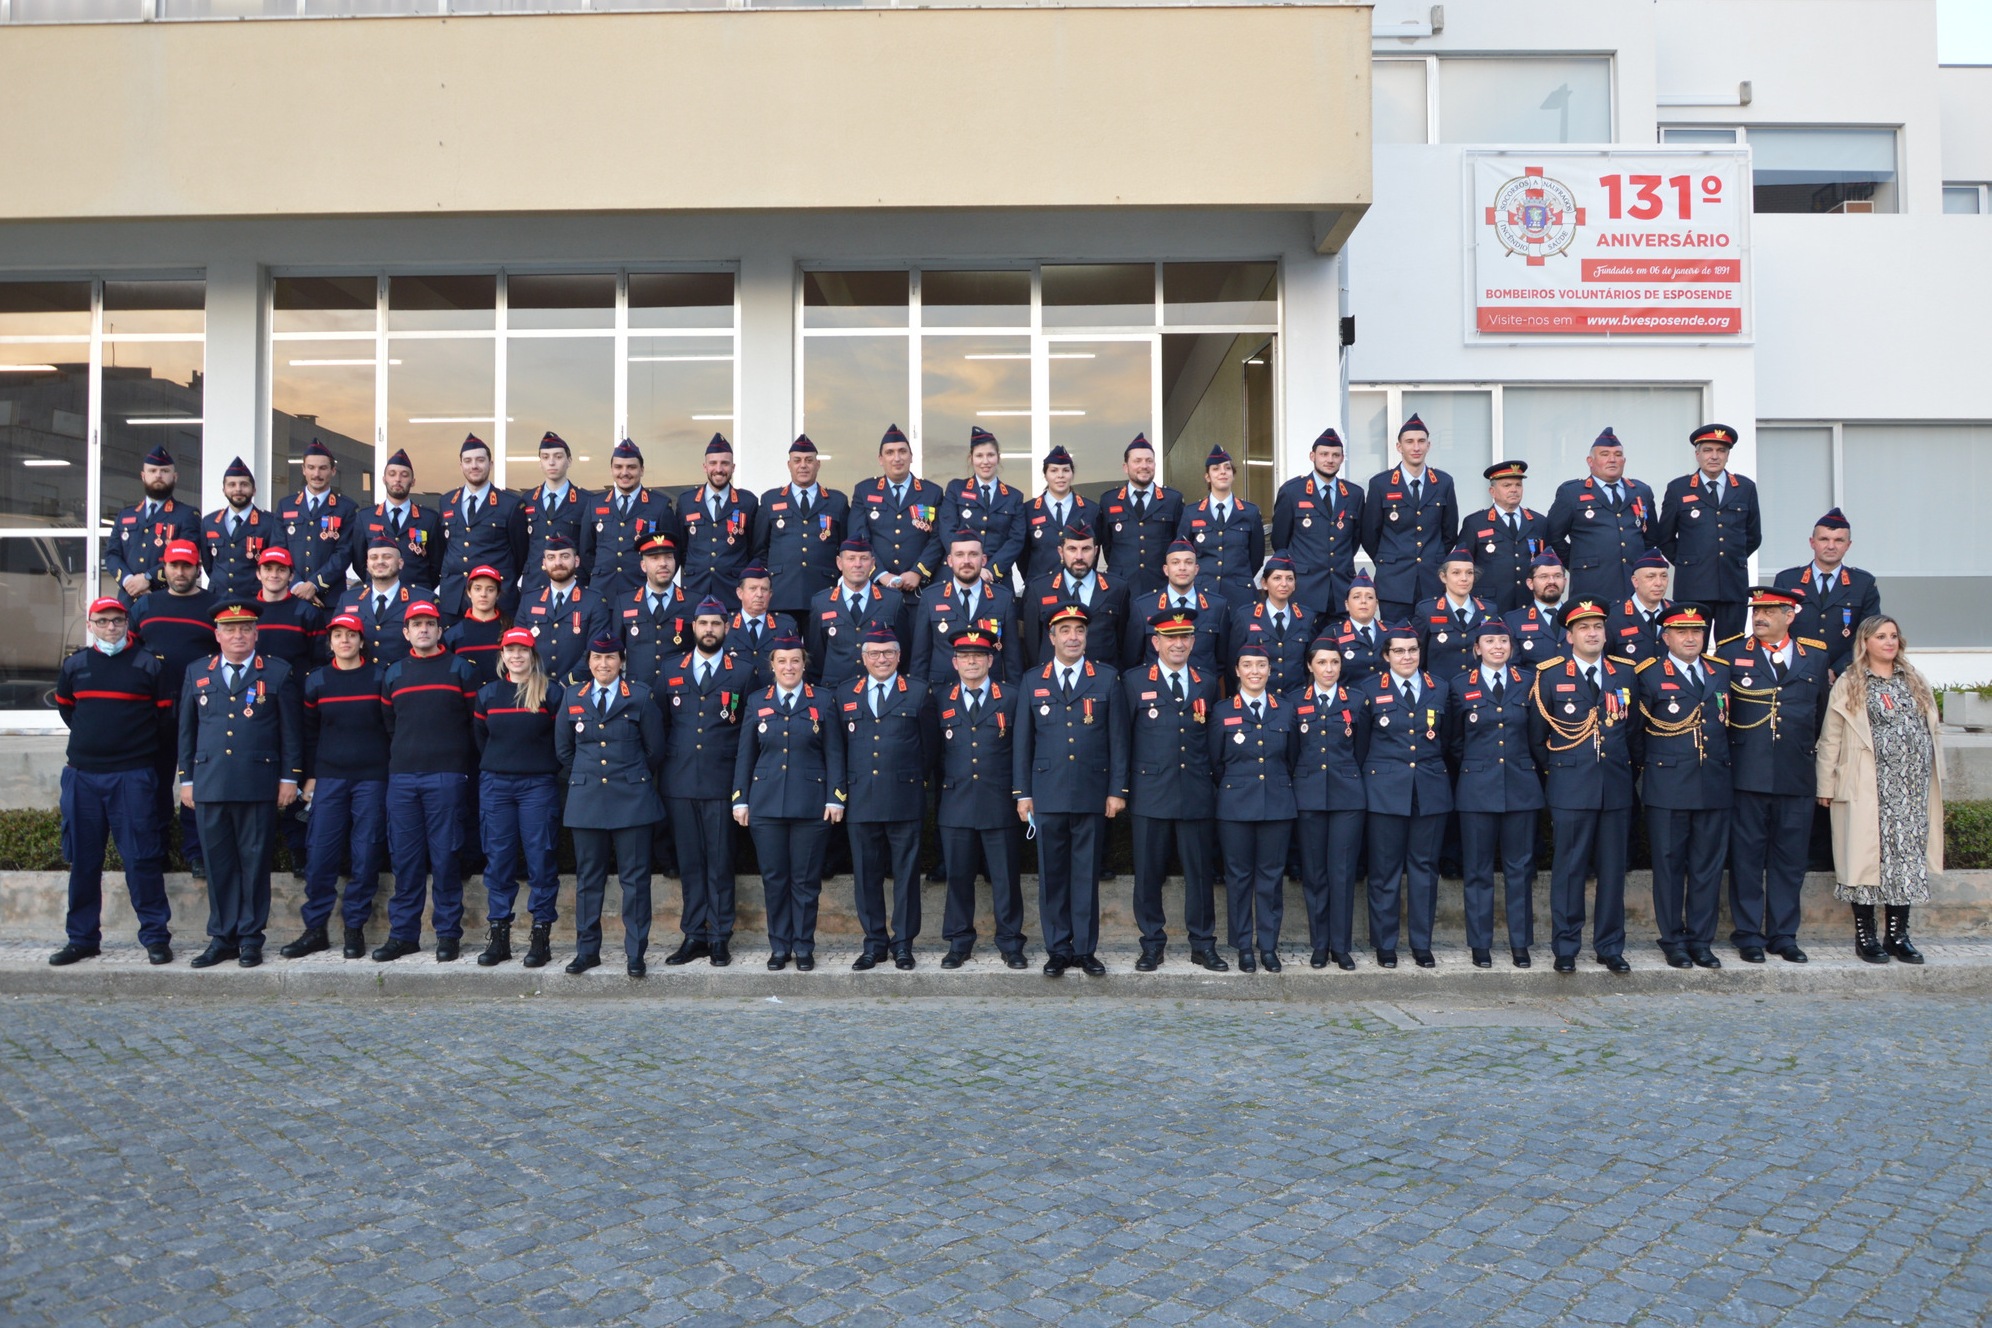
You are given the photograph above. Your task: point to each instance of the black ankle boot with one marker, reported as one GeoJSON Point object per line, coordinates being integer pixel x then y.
{"type": "Point", "coordinates": [499, 948]}
{"type": "Point", "coordinates": [1897, 943]}
{"type": "Point", "coordinates": [1865, 944]}
{"type": "Point", "coordinates": [539, 950]}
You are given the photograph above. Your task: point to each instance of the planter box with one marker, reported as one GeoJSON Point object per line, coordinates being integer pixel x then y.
{"type": "Point", "coordinates": [1967, 710]}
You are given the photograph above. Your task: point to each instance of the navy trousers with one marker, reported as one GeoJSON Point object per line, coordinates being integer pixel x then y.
{"type": "Point", "coordinates": [876, 848]}
{"type": "Point", "coordinates": [519, 816]}
{"type": "Point", "coordinates": [1509, 837]}
{"type": "Point", "coordinates": [348, 826]}
{"type": "Point", "coordinates": [1330, 861]}
{"type": "Point", "coordinates": [1404, 848]}
{"type": "Point", "coordinates": [628, 850]}
{"type": "Point", "coordinates": [116, 805]}
{"type": "Point", "coordinates": [1254, 881]}
{"type": "Point", "coordinates": [1770, 836]}
{"type": "Point", "coordinates": [1585, 840]}
{"type": "Point", "coordinates": [703, 830]}
{"type": "Point", "coordinates": [169, 807]}
{"type": "Point", "coordinates": [790, 850]}
{"type": "Point", "coordinates": [1071, 851]}
{"type": "Point", "coordinates": [1195, 841]}
{"type": "Point", "coordinates": [1002, 851]}
{"type": "Point", "coordinates": [424, 833]}
{"type": "Point", "coordinates": [1690, 849]}
{"type": "Point", "coordinates": [241, 838]}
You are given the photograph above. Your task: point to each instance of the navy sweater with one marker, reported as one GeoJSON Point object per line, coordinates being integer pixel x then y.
{"type": "Point", "coordinates": [177, 628]}
{"type": "Point", "coordinates": [113, 705]}
{"type": "Point", "coordinates": [345, 725]}
{"type": "Point", "coordinates": [514, 740]}
{"type": "Point", "coordinates": [430, 701]}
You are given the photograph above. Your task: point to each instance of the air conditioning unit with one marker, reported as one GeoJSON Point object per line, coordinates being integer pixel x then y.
{"type": "Point", "coordinates": [1855, 205]}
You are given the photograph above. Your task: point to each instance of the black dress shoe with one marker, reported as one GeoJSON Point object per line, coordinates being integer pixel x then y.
{"type": "Point", "coordinates": [1482, 958]}
{"type": "Point", "coordinates": [581, 963]}
{"type": "Point", "coordinates": [686, 953]}
{"type": "Point", "coordinates": [865, 962]}
{"type": "Point", "coordinates": [161, 953]}
{"type": "Point", "coordinates": [1015, 959]}
{"type": "Point", "coordinates": [69, 954]}
{"type": "Point", "coordinates": [1318, 959]}
{"type": "Point", "coordinates": [1091, 966]}
{"type": "Point", "coordinates": [392, 949]}
{"type": "Point", "coordinates": [1423, 959]}
{"type": "Point", "coordinates": [1151, 959]}
{"type": "Point", "coordinates": [311, 942]}
{"type": "Point", "coordinates": [721, 955]}
{"type": "Point", "coordinates": [216, 952]}
{"type": "Point", "coordinates": [637, 968]}
{"type": "Point", "coordinates": [902, 959]}
{"type": "Point", "coordinates": [1345, 962]}
{"type": "Point", "coordinates": [1209, 960]}
{"type": "Point", "coordinates": [1750, 954]}
{"type": "Point", "coordinates": [356, 943]}
{"type": "Point", "coordinates": [1055, 966]}
{"type": "Point", "coordinates": [777, 962]}
{"type": "Point", "coordinates": [1703, 957]}
{"type": "Point", "coordinates": [1615, 963]}
{"type": "Point", "coordinates": [1247, 963]}
{"type": "Point", "coordinates": [1676, 957]}
{"type": "Point", "coordinates": [954, 959]}
{"type": "Point", "coordinates": [1521, 958]}
{"type": "Point", "coordinates": [1269, 960]}
{"type": "Point", "coordinates": [1386, 959]}
{"type": "Point", "coordinates": [447, 949]}
{"type": "Point", "coordinates": [805, 963]}
{"type": "Point", "coordinates": [1791, 954]}
{"type": "Point", "coordinates": [251, 956]}
{"type": "Point", "coordinates": [1565, 964]}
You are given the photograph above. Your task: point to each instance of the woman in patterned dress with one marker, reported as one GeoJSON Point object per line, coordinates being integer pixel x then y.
{"type": "Point", "coordinates": [1879, 772]}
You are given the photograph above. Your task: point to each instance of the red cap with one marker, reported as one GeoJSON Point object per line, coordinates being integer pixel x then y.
{"type": "Point", "coordinates": [517, 636]}
{"type": "Point", "coordinates": [181, 551]}
{"type": "Point", "coordinates": [487, 571]}
{"type": "Point", "coordinates": [275, 554]}
{"type": "Point", "coordinates": [421, 608]}
{"type": "Point", "coordinates": [108, 604]}
{"type": "Point", "coordinates": [350, 621]}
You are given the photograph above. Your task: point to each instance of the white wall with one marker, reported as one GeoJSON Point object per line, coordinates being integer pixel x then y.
{"type": "Point", "coordinates": [1964, 92]}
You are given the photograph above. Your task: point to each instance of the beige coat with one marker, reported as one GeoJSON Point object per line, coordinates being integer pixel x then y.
{"type": "Point", "coordinates": [1845, 764]}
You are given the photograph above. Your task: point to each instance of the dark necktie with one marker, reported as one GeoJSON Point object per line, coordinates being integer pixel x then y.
{"type": "Point", "coordinates": [1459, 616]}
{"type": "Point", "coordinates": [1500, 690]}
{"type": "Point", "coordinates": [398, 523]}
{"type": "Point", "coordinates": [1176, 687]}
{"type": "Point", "coordinates": [1618, 499]}
{"type": "Point", "coordinates": [1778, 668]}
{"type": "Point", "coordinates": [851, 607]}
{"type": "Point", "coordinates": [1220, 513]}
{"type": "Point", "coordinates": [899, 495]}
{"type": "Point", "coordinates": [1068, 684]}
{"type": "Point", "coordinates": [234, 678]}
{"type": "Point", "coordinates": [602, 702]}
{"type": "Point", "coordinates": [234, 524]}
{"type": "Point", "coordinates": [705, 673]}
{"type": "Point", "coordinates": [623, 505]}
{"type": "Point", "coordinates": [380, 607]}
{"type": "Point", "coordinates": [754, 630]}
{"type": "Point", "coordinates": [974, 708]}
{"type": "Point", "coordinates": [469, 509]}
{"type": "Point", "coordinates": [988, 495]}
{"type": "Point", "coordinates": [151, 510]}
{"type": "Point", "coordinates": [1417, 491]}
{"type": "Point", "coordinates": [559, 605]}
{"type": "Point", "coordinates": [1258, 711]}
{"type": "Point", "coordinates": [1591, 680]}
{"type": "Point", "coordinates": [802, 504]}
{"type": "Point", "coordinates": [655, 600]}
{"type": "Point", "coordinates": [1514, 524]}
{"type": "Point", "coordinates": [878, 698]}
{"type": "Point", "coordinates": [1182, 601]}
{"type": "Point", "coordinates": [1369, 638]}
{"type": "Point", "coordinates": [788, 704]}
{"type": "Point", "coordinates": [712, 506]}
{"type": "Point", "coordinates": [1404, 689]}
{"type": "Point", "coordinates": [1141, 505]}
{"type": "Point", "coordinates": [1058, 515]}
{"type": "Point", "coordinates": [1279, 627]}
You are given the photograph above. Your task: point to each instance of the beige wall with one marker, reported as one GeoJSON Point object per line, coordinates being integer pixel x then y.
{"type": "Point", "coordinates": [1231, 107]}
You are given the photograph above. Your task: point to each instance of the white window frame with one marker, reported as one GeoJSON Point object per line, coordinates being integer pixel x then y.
{"type": "Point", "coordinates": [1432, 60]}
{"type": "Point", "coordinates": [1984, 195]}
{"type": "Point", "coordinates": [1742, 133]}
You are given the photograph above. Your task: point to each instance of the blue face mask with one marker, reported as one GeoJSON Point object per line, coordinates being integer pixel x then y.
{"type": "Point", "coordinates": [108, 649]}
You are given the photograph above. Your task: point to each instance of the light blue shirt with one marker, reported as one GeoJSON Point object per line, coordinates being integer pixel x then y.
{"type": "Point", "coordinates": [1414, 682]}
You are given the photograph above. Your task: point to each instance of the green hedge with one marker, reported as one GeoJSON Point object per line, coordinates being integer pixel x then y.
{"type": "Point", "coordinates": [1967, 835]}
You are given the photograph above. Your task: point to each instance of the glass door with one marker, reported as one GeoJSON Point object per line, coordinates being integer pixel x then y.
{"type": "Point", "coordinates": [1099, 392]}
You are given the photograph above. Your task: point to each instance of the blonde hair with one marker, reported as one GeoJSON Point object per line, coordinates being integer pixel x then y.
{"type": "Point", "coordinates": [531, 693]}
{"type": "Point", "coordinates": [1853, 683]}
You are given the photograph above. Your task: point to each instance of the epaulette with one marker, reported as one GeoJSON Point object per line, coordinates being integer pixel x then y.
{"type": "Point", "coordinates": [1726, 640]}
{"type": "Point", "coordinates": [1617, 660]}
{"type": "Point", "coordinates": [1714, 658]}
{"type": "Point", "coordinates": [1808, 641]}
{"type": "Point", "coordinates": [1549, 664]}
{"type": "Point", "coordinates": [1645, 664]}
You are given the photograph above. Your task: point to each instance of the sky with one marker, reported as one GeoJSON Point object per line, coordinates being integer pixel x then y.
{"type": "Point", "coordinates": [1964, 32]}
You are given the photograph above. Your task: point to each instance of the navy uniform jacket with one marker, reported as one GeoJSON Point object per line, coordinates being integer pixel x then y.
{"type": "Point", "coordinates": [941, 615]}
{"type": "Point", "coordinates": [650, 640]}
{"type": "Point", "coordinates": [1253, 759]}
{"type": "Point", "coordinates": [1536, 635]}
{"type": "Point", "coordinates": [1407, 748]}
{"type": "Point", "coordinates": [496, 538]}
{"type": "Point", "coordinates": [784, 767]}
{"type": "Point", "coordinates": [561, 640]}
{"type": "Point", "coordinates": [1319, 527]}
{"type": "Point", "coordinates": [134, 546]}
{"type": "Point", "coordinates": [1490, 744]}
{"type": "Point", "coordinates": [1286, 653]}
{"type": "Point", "coordinates": [179, 629]}
{"type": "Point", "coordinates": [1710, 546]}
{"type": "Point", "coordinates": [702, 724]}
{"type": "Point", "coordinates": [545, 517]}
{"type": "Point", "coordinates": [1362, 657]}
{"type": "Point", "coordinates": [1405, 540]}
{"type": "Point", "coordinates": [1773, 725]}
{"type": "Point", "coordinates": [238, 746]}
{"type": "Point", "coordinates": [1447, 647]}
{"type": "Point", "coordinates": [321, 550]}
{"type": "Point", "coordinates": [1041, 532]}
{"type": "Point", "coordinates": [1109, 618]}
{"type": "Point", "coordinates": [800, 555]}
{"type": "Point", "coordinates": [1598, 542]}
{"type": "Point", "coordinates": [1832, 614]}
{"type": "Point", "coordinates": [1228, 556]}
{"type": "Point", "coordinates": [386, 643]}
{"type": "Point", "coordinates": [715, 553]}
{"type": "Point", "coordinates": [1586, 766]}
{"type": "Point", "coordinates": [1682, 770]}
{"type": "Point", "coordinates": [610, 561]}
{"type": "Point", "coordinates": [1629, 634]}
{"type": "Point", "coordinates": [1501, 557]}
{"type": "Point", "coordinates": [420, 541]}
{"type": "Point", "coordinates": [293, 630]}
{"type": "Point", "coordinates": [740, 641]}
{"type": "Point", "coordinates": [1169, 771]}
{"type": "Point", "coordinates": [1066, 758]}
{"type": "Point", "coordinates": [230, 560]}
{"type": "Point", "coordinates": [886, 756]}
{"type": "Point", "coordinates": [1212, 646]}
{"type": "Point", "coordinates": [1134, 546]}
{"type": "Point", "coordinates": [1333, 742]}
{"type": "Point", "coordinates": [903, 537]}
{"type": "Point", "coordinates": [834, 640]}
{"type": "Point", "coordinates": [610, 761]}
{"type": "Point", "coordinates": [976, 760]}
{"type": "Point", "coordinates": [1000, 521]}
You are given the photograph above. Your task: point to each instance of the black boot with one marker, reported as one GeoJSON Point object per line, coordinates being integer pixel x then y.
{"type": "Point", "coordinates": [539, 950]}
{"type": "Point", "coordinates": [1865, 944]}
{"type": "Point", "coordinates": [310, 943]}
{"type": "Point", "coordinates": [1898, 935]}
{"type": "Point", "coordinates": [356, 943]}
{"type": "Point", "coordinates": [499, 948]}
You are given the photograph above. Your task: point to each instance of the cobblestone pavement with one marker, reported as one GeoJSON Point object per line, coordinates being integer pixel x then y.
{"type": "Point", "coordinates": [1662, 1160]}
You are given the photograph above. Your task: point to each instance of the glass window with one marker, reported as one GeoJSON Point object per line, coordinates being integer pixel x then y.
{"type": "Point", "coordinates": [567, 385]}
{"type": "Point", "coordinates": [154, 306]}
{"type": "Point", "coordinates": [44, 309]}
{"type": "Point", "coordinates": [44, 433]}
{"type": "Point", "coordinates": [1462, 428]}
{"type": "Point", "coordinates": [855, 299]}
{"type": "Point", "coordinates": [577, 300]}
{"type": "Point", "coordinates": [967, 382]}
{"type": "Point", "coordinates": [456, 303]}
{"type": "Point", "coordinates": [1101, 397]}
{"type": "Point", "coordinates": [975, 299]}
{"type": "Point", "coordinates": [228, 9]}
{"type": "Point", "coordinates": [1367, 440]}
{"type": "Point", "coordinates": [1099, 295]}
{"type": "Point", "coordinates": [1834, 169]}
{"type": "Point", "coordinates": [438, 390]}
{"type": "Point", "coordinates": [360, 8]}
{"type": "Point", "coordinates": [681, 299]}
{"type": "Point", "coordinates": [1918, 538]}
{"type": "Point", "coordinates": [1530, 99]}
{"type": "Point", "coordinates": [45, 583]}
{"type": "Point", "coordinates": [152, 396]}
{"type": "Point", "coordinates": [1220, 293]}
{"type": "Point", "coordinates": [1962, 198]}
{"type": "Point", "coordinates": [1551, 428]}
{"type": "Point", "coordinates": [1802, 461]}
{"type": "Point", "coordinates": [323, 390]}
{"type": "Point", "coordinates": [324, 304]}
{"type": "Point", "coordinates": [852, 387]}
{"type": "Point", "coordinates": [1216, 393]}
{"type": "Point", "coordinates": [1397, 101]}
{"type": "Point", "coordinates": [1710, 137]}
{"type": "Point", "coordinates": [80, 11]}
{"type": "Point", "coordinates": [680, 395]}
